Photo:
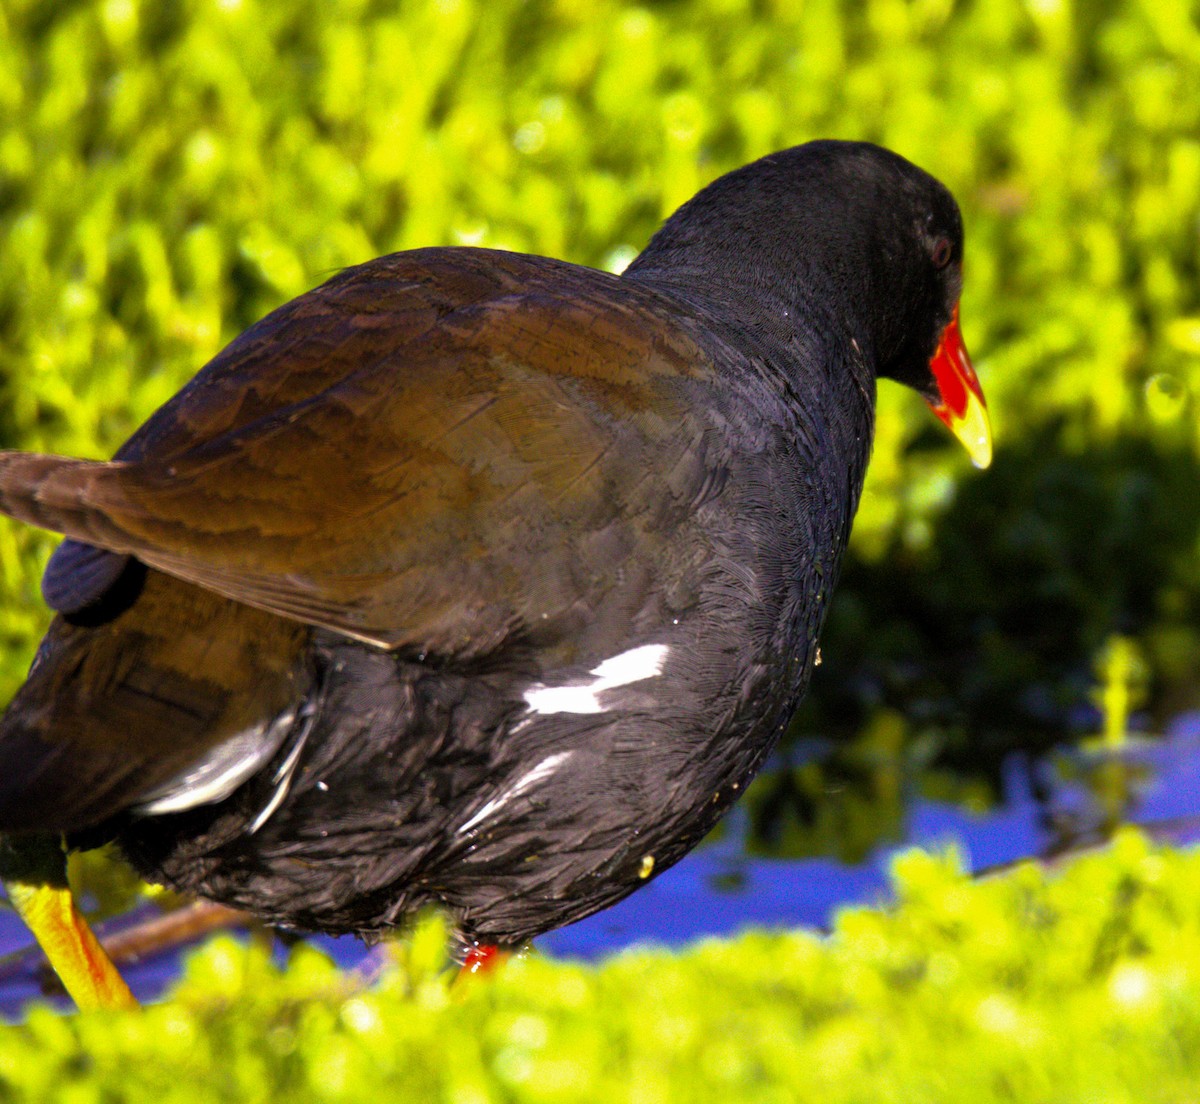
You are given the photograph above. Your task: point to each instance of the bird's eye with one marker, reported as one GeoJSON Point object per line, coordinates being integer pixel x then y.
{"type": "Point", "coordinates": [942, 250]}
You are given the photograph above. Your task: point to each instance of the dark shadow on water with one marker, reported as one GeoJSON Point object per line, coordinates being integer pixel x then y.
{"type": "Point", "coordinates": [949, 653]}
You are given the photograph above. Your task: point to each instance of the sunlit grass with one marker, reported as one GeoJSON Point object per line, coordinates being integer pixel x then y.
{"type": "Point", "coordinates": [1083, 985]}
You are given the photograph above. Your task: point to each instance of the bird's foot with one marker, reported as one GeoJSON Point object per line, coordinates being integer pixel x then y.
{"type": "Point", "coordinates": [34, 872]}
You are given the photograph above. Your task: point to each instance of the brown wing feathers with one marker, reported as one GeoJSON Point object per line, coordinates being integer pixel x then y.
{"type": "Point", "coordinates": [323, 480]}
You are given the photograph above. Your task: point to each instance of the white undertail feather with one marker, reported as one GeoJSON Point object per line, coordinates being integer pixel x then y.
{"type": "Point", "coordinates": [230, 764]}
{"type": "Point", "coordinates": [285, 774]}
{"type": "Point", "coordinates": [221, 771]}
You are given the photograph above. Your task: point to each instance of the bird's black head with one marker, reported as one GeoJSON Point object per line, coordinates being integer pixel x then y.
{"type": "Point", "coordinates": [849, 235]}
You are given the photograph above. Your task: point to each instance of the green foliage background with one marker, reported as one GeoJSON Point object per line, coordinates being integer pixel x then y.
{"type": "Point", "coordinates": [172, 169]}
{"type": "Point", "coordinates": [1076, 988]}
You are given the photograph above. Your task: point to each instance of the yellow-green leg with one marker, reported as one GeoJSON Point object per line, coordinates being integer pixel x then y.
{"type": "Point", "coordinates": [34, 872]}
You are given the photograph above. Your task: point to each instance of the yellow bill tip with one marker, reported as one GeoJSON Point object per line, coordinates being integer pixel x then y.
{"type": "Point", "coordinates": [960, 403]}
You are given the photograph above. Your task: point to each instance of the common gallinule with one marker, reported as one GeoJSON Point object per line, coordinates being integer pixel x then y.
{"type": "Point", "coordinates": [472, 578]}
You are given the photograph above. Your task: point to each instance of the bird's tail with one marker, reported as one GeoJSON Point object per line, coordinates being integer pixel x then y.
{"type": "Point", "coordinates": [82, 499]}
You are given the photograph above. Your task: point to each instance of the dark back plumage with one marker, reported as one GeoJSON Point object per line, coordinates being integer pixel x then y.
{"type": "Point", "coordinates": [475, 578]}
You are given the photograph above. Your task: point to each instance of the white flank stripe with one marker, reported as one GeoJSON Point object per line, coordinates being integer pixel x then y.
{"type": "Point", "coordinates": [543, 770]}
{"type": "Point", "coordinates": [632, 666]}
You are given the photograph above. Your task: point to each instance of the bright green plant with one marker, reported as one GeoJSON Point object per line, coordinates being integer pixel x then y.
{"type": "Point", "coordinates": [1079, 986]}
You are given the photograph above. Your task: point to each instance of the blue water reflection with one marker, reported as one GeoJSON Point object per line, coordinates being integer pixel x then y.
{"type": "Point", "coordinates": [720, 890]}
